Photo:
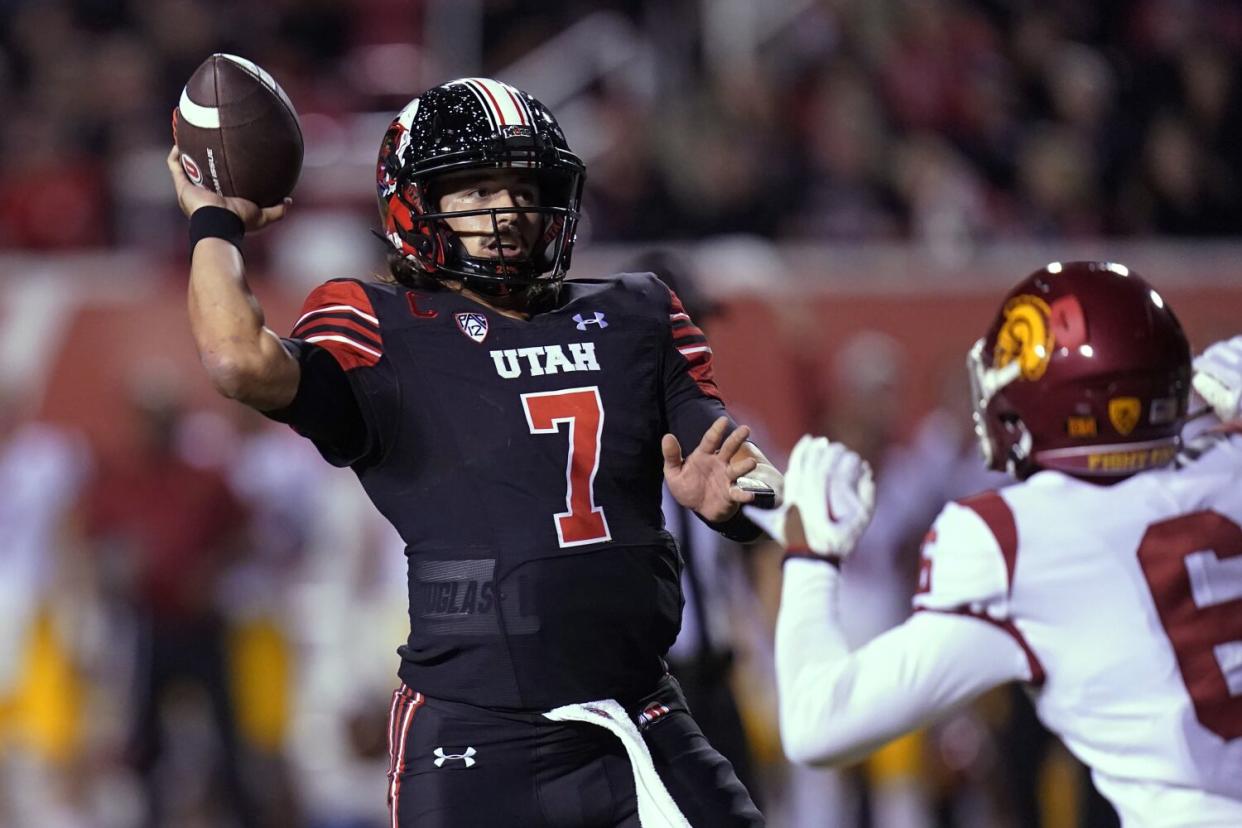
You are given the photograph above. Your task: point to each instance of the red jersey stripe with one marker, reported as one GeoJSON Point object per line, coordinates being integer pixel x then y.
{"type": "Point", "coordinates": [320, 324]}
{"type": "Point", "coordinates": [1038, 675]}
{"type": "Point", "coordinates": [328, 315]}
{"type": "Point", "coordinates": [693, 346]}
{"type": "Point", "coordinates": [994, 511]}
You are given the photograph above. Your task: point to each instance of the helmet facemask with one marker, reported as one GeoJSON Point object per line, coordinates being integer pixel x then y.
{"type": "Point", "coordinates": [1004, 440]}
{"type": "Point", "coordinates": [478, 125]}
{"type": "Point", "coordinates": [443, 251]}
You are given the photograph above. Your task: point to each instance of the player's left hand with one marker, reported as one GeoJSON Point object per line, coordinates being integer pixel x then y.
{"type": "Point", "coordinates": [706, 481]}
{"type": "Point", "coordinates": [1218, 378]}
{"type": "Point", "coordinates": [831, 497]}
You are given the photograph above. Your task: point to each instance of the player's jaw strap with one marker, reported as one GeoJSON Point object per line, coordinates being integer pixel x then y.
{"type": "Point", "coordinates": [656, 808]}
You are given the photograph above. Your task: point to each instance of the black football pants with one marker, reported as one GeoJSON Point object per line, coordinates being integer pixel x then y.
{"type": "Point", "coordinates": [454, 764]}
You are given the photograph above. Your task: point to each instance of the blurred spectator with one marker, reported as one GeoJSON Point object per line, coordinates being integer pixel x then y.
{"type": "Point", "coordinates": [164, 530]}
{"type": "Point", "coordinates": [1065, 120]}
{"type": "Point", "coordinates": [713, 579]}
{"type": "Point", "coordinates": [41, 470]}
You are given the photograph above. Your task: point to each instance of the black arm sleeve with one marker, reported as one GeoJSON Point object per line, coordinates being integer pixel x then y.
{"type": "Point", "coordinates": [325, 409]}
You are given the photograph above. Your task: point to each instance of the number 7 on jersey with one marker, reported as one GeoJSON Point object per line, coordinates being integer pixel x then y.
{"type": "Point", "coordinates": [582, 521]}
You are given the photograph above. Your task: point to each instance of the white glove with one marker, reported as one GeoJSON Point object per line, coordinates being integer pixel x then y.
{"type": "Point", "coordinates": [834, 493]}
{"type": "Point", "coordinates": [1218, 378]}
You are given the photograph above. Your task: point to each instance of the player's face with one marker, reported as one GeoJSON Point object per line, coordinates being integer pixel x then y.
{"type": "Point", "coordinates": [499, 190]}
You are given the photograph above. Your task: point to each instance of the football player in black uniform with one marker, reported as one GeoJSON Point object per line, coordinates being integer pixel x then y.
{"type": "Point", "coordinates": [513, 428]}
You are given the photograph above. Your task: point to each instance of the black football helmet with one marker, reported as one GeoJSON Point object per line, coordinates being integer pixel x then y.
{"type": "Point", "coordinates": [477, 123]}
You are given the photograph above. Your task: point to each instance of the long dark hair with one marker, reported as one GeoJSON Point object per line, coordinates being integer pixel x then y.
{"type": "Point", "coordinates": [405, 273]}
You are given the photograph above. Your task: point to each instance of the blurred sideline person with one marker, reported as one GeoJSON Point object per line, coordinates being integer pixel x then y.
{"type": "Point", "coordinates": [1108, 580]}
{"type": "Point", "coordinates": [163, 531]}
{"type": "Point", "coordinates": [511, 427]}
{"type": "Point", "coordinates": [714, 581]}
{"type": "Point", "coordinates": [42, 468]}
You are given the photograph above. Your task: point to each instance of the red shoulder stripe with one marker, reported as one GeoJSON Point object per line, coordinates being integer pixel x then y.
{"type": "Point", "coordinates": [1038, 675]}
{"type": "Point", "coordinates": [338, 317]}
{"type": "Point", "coordinates": [692, 344]}
{"type": "Point", "coordinates": [995, 512]}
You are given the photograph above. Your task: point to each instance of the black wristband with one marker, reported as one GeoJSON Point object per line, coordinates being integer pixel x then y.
{"type": "Point", "coordinates": [738, 528]}
{"type": "Point", "coordinates": [216, 223]}
{"type": "Point", "coordinates": [803, 553]}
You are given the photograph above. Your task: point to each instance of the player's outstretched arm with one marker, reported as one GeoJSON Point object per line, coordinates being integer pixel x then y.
{"type": "Point", "coordinates": [837, 706]}
{"type": "Point", "coordinates": [244, 359]}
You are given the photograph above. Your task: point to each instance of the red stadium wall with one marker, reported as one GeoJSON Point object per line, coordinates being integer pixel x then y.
{"type": "Point", "coordinates": [773, 354]}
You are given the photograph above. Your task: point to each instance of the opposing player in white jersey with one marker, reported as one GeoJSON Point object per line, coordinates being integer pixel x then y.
{"type": "Point", "coordinates": [1109, 580]}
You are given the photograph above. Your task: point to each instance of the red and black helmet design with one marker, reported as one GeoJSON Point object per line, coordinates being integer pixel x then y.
{"type": "Point", "coordinates": [1085, 370]}
{"type": "Point", "coordinates": [477, 123]}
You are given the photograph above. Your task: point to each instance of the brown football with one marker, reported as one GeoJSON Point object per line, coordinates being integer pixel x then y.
{"type": "Point", "coordinates": [238, 132]}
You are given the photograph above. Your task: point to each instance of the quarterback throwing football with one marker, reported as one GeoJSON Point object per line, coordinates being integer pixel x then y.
{"type": "Point", "coordinates": [1109, 580]}
{"type": "Point", "coordinates": [514, 429]}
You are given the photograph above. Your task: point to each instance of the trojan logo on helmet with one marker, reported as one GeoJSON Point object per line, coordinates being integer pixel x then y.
{"type": "Point", "coordinates": [1025, 336]}
{"type": "Point", "coordinates": [1077, 343]}
{"type": "Point", "coordinates": [478, 124]}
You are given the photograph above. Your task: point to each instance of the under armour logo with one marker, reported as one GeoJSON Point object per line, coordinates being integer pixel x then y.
{"type": "Point", "coordinates": [582, 322]}
{"type": "Point", "coordinates": [466, 758]}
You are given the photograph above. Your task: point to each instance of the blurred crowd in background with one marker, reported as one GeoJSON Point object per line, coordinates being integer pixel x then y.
{"type": "Point", "coordinates": [203, 625]}
{"type": "Point", "coordinates": [942, 120]}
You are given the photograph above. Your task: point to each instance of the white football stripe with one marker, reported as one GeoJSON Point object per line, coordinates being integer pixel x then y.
{"type": "Point", "coordinates": [251, 67]}
{"type": "Point", "coordinates": [328, 308]}
{"type": "Point", "coordinates": [262, 74]}
{"type": "Point", "coordinates": [697, 350]}
{"type": "Point", "coordinates": [343, 340]}
{"type": "Point", "coordinates": [203, 117]}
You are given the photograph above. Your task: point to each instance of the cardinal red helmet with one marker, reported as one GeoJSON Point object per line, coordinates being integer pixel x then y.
{"type": "Point", "coordinates": [1085, 370]}
{"type": "Point", "coordinates": [477, 123]}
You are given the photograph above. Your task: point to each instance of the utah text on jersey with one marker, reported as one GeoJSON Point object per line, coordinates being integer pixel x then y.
{"type": "Point", "coordinates": [545, 359]}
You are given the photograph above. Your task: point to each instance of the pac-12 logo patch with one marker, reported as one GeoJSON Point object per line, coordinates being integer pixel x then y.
{"type": "Point", "coordinates": [473, 325]}
{"type": "Point", "coordinates": [191, 169]}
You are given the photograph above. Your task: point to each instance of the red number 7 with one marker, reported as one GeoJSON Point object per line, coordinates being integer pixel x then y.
{"type": "Point", "coordinates": [582, 521]}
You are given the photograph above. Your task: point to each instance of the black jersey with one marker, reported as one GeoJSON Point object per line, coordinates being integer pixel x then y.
{"type": "Point", "coordinates": [520, 462]}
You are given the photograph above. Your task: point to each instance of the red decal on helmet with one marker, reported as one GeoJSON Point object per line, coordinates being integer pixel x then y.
{"type": "Point", "coordinates": [1069, 328]}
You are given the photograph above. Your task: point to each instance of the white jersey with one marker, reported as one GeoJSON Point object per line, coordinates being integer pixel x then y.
{"type": "Point", "coordinates": [1127, 600]}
